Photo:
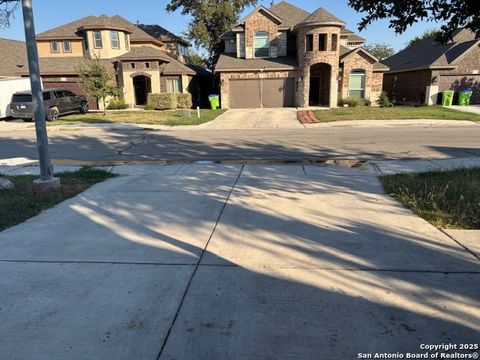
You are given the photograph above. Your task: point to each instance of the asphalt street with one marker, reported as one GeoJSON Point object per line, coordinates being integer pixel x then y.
{"type": "Point", "coordinates": [109, 145]}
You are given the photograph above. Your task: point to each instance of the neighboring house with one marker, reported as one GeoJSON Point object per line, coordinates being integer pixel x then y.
{"type": "Point", "coordinates": [13, 58]}
{"type": "Point", "coordinates": [136, 60]}
{"type": "Point", "coordinates": [285, 56]}
{"type": "Point", "coordinates": [418, 73]}
{"type": "Point", "coordinates": [174, 44]}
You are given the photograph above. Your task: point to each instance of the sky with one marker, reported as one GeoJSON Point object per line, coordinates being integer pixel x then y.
{"type": "Point", "coordinates": [51, 13]}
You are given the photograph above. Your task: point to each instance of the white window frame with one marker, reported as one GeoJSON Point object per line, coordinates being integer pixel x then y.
{"type": "Point", "coordinates": [262, 36]}
{"type": "Point", "coordinates": [115, 40]}
{"type": "Point", "coordinates": [55, 49]}
{"type": "Point", "coordinates": [360, 73]}
{"type": "Point", "coordinates": [95, 43]}
{"type": "Point", "coordinates": [67, 49]}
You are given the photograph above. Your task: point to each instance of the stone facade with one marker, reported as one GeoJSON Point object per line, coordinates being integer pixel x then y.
{"type": "Point", "coordinates": [307, 59]}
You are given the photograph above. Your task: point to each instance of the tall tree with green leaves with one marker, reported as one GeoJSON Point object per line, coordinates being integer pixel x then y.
{"type": "Point", "coordinates": [381, 51]}
{"type": "Point", "coordinates": [429, 34]}
{"type": "Point", "coordinates": [98, 82]}
{"type": "Point", "coordinates": [209, 20]}
{"type": "Point", "coordinates": [402, 14]}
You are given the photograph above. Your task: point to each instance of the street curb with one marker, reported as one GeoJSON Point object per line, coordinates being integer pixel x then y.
{"type": "Point", "coordinates": [393, 123]}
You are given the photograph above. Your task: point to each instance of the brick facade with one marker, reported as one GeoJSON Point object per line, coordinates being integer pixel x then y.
{"type": "Point", "coordinates": [407, 87]}
{"type": "Point", "coordinates": [261, 21]}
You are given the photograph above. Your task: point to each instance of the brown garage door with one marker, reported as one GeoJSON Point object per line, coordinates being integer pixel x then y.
{"type": "Point", "coordinates": [71, 84]}
{"type": "Point", "coordinates": [251, 93]}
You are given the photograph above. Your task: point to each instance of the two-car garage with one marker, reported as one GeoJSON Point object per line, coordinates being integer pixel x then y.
{"type": "Point", "coordinates": [262, 92]}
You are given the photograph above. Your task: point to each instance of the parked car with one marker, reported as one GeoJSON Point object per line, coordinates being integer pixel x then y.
{"type": "Point", "coordinates": [57, 102]}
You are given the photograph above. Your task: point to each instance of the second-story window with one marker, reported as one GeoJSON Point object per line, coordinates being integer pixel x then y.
{"type": "Point", "coordinates": [261, 44]}
{"type": "Point", "coordinates": [114, 40]}
{"type": "Point", "coordinates": [334, 42]}
{"type": "Point", "coordinates": [97, 39]}
{"type": "Point", "coordinates": [309, 42]}
{"type": "Point", "coordinates": [67, 46]}
{"type": "Point", "coordinates": [54, 46]}
{"type": "Point", "coordinates": [322, 42]}
{"type": "Point", "coordinates": [127, 42]}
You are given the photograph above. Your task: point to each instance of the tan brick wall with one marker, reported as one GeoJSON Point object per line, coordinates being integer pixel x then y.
{"type": "Point", "coordinates": [225, 78]}
{"type": "Point", "coordinates": [126, 75]}
{"type": "Point", "coordinates": [260, 21]}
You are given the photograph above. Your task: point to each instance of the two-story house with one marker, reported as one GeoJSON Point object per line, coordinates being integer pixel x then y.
{"type": "Point", "coordinates": [174, 44]}
{"type": "Point", "coordinates": [137, 61]}
{"type": "Point", "coordinates": [284, 56]}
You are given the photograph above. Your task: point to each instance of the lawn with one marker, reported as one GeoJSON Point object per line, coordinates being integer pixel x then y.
{"type": "Point", "coordinates": [393, 113]}
{"type": "Point", "coordinates": [24, 202]}
{"type": "Point", "coordinates": [445, 199]}
{"type": "Point", "coordinates": [171, 118]}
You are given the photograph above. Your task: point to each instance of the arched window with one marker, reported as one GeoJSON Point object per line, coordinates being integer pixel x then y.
{"type": "Point", "coordinates": [261, 44]}
{"type": "Point", "coordinates": [356, 83]}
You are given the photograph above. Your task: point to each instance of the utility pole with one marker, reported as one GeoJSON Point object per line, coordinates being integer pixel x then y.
{"type": "Point", "coordinates": [46, 181]}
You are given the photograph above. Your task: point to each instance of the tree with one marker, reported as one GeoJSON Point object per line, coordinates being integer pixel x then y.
{"type": "Point", "coordinates": [454, 14]}
{"type": "Point", "coordinates": [381, 51]}
{"type": "Point", "coordinates": [209, 20]}
{"type": "Point", "coordinates": [429, 34]}
{"type": "Point", "coordinates": [196, 59]}
{"type": "Point", "coordinates": [98, 82]}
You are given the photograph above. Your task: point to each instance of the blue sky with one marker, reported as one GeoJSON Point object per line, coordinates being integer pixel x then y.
{"type": "Point", "coordinates": [52, 13]}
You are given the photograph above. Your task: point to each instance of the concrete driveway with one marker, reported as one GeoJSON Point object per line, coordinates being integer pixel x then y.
{"type": "Point", "coordinates": [233, 262]}
{"type": "Point", "coordinates": [281, 118]}
{"type": "Point", "coordinates": [474, 109]}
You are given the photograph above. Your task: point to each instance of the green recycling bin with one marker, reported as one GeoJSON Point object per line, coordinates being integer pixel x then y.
{"type": "Point", "coordinates": [447, 98]}
{"type": "Point", "coordinates": [214, 101]}
{"type": "Point", "coordinates": [464, 97]}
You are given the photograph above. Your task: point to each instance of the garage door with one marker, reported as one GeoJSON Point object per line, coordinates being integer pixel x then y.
{"type": "Point", "coordinates": [253, 93]}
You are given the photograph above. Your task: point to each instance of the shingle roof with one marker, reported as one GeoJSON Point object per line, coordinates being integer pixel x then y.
{"type": "Point", "coordinates": [377, 66]}
{"type": "Point", "coordinates": [354, 38]}
{"type": "Point", "coordinates": [72, 29]}
{"type": "Point", "coordinates": [173, 66]}
{"type": "Point", "coordinates": [13, 55]}
{"type": "Point", "coordinates": [290, 14]}
{"type": "Point", "coordinates": [428, 53]}
{"type": "Point", "coordinates": [232, 63]}
{"type": "Point", "coordinates": [321, 16]}
{"type": "Point", "coordinates": [162, 34]}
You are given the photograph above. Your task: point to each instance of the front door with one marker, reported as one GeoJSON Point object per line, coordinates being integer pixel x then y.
{"type": "Point", "coordinates": [314, 98]}
{"type": "Point", "coordinates": [142, 87]}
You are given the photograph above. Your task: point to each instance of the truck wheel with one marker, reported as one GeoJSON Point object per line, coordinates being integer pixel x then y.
{"type": "Point", "coordinates": [53, 114]}
{"type": "Point", "coordinates": [84, 108]}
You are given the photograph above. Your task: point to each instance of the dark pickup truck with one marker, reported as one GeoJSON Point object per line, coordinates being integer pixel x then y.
{"type": "Point", "coordinates": [56, 102]}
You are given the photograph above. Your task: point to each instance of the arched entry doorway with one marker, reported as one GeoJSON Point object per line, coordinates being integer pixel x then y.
{"type": "Point", "coordinates": [320, 79]}
{"type": "Point", "coordinates": [142, 86]}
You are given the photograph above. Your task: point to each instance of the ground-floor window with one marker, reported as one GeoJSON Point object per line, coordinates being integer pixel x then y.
{"type": "Point", "coordinates": [174, 85]}
{"type": "Point", "coordinates": [357, 84]}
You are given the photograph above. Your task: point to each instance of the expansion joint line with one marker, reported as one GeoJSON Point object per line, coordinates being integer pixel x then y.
{"type": "Point", "coordinates": [200, 258]}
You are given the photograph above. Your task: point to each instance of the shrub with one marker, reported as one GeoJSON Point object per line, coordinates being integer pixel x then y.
{"type": "Point", "coordinates": [117, 104]}
{"type": "Point", "coordinates": [166, 101]}
{"type": "Point", "coordinates": [351, 102]}
{"type": "Point", "coordinates": [383, 100]}
{"type": "Point", "coordinates": [184, 100]}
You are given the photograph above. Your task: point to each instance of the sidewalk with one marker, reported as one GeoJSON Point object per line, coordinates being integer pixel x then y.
{"type": "Point", "coordinates": [233, 262]}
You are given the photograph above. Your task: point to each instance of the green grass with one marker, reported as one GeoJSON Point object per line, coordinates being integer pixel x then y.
{"type": "Point", "coordinates": [393, 113]}
{"type": "Point", "coordinates": [25, 202]}
{"type": "Point", "coordinates": [171, 118]}
{"type": "Point", "coordinates": [445, 199]}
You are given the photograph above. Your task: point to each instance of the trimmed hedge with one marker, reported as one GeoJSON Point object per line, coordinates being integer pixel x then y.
{"type": "Point", "coordinates": [352, 102]}
{"type": "Point", "coordinates": [166, 101]}
{"type": "Point", "coordinates": [169, 101]}
{"type": "Point", "coordinates": [184, 100]}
